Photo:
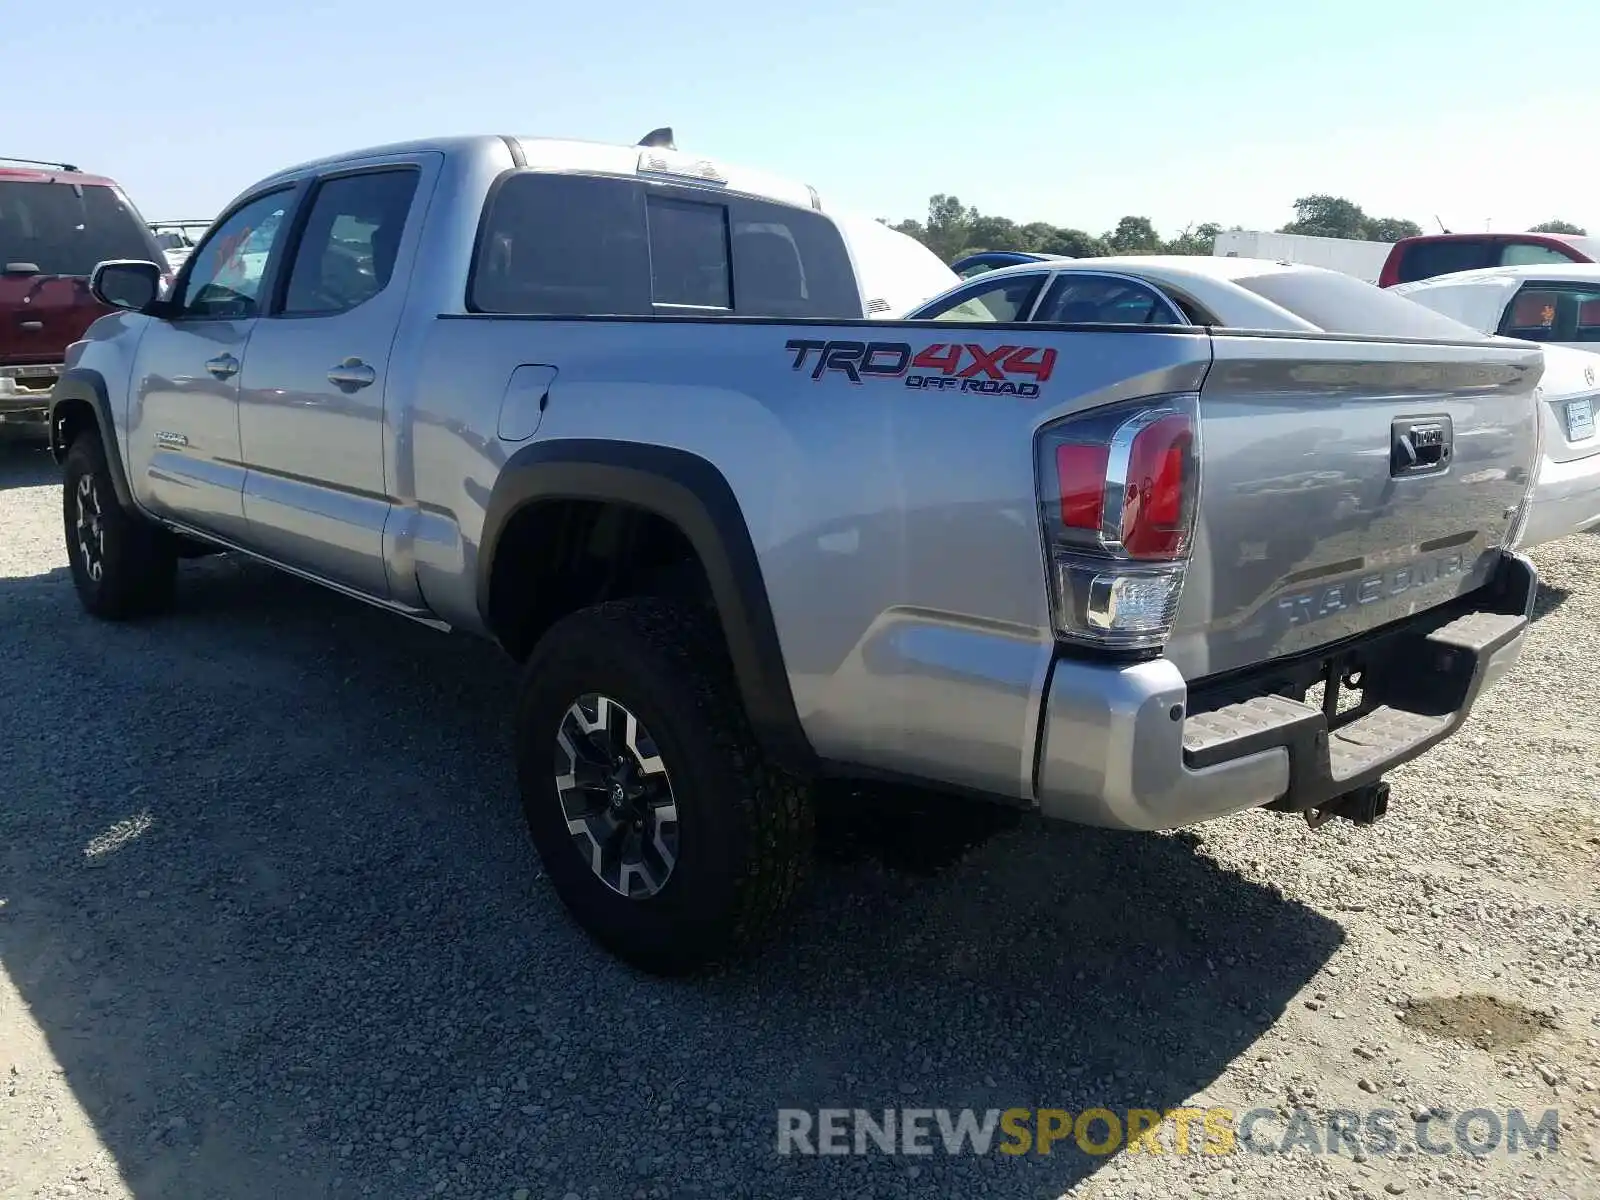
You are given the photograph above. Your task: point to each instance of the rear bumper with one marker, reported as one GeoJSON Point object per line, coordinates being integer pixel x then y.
{"type": "Point", "coordinates": [1566, 499]}
{"type": "Point", "coordinates": [25, 393]}
{"type": "Point", "coordinates": [1129, 747]}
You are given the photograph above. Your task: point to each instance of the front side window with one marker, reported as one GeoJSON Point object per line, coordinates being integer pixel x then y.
{"type": "Point", "coordinates": [352, 237]}
{"type": "Point", "coordinates": [1541, 313]}
{"type": "Point", "coordinates": [65, 229]}
{"type": "Point", "coordinates": [226, 271]}
{"type": "Point", "coordinates": [1008, 299]}
{"type": "Point", "coordinates": [1098, 300]}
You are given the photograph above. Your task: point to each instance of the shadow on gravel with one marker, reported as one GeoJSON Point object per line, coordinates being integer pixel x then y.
{"type": "Point", "coordinates": [269, 895]}
{"type": "Point", "coordinates": [25, 463]}
{"type": "Point", "coordinates": [1547, 599]}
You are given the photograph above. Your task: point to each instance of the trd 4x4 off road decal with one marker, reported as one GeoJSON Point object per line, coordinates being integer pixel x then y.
{"type": "Point", "coordinates": [940, 366]}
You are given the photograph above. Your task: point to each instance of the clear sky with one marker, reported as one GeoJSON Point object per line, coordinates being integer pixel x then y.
{"type": "Point", "coordinates": [1180, 110]}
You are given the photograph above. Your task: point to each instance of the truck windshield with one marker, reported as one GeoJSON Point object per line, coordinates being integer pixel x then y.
{"type": "Point", "coordinates": [65, 229]}
{"type": "Point", "coordinates": [1344, 304]}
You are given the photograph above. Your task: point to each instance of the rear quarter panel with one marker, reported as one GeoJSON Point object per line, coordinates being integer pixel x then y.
{"type": "Point", "coordinates": [896, 526]}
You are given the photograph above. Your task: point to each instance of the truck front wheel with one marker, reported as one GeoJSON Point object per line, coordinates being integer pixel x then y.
{"type": "Point", "coordinates": [666, 834]}
{"type": "Point", "coordinates": [122, 566]}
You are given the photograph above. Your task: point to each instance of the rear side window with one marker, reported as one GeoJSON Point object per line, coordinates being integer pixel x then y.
{"type": "Point", "coordinates": [1548, 314]}
{"type": "Point", "coordinates": [1006, 299]}
{"type": "Point", "coordinates": [1344, 304]}
{"type": "Point", "coordinates": [1094, 299]}
{"type": "Point", "coordinates": [1424, 260]}
{"type": "Point", "coordinates": [575, 245]}
{"type": "Point", "coordinates": [563, 245]}
{"type": "Point", "coordinates": [790, 262]}
{"type": "Point", "coordinates": [65, 229]}
{"type": "Point", "coordinates": [1527, 254]}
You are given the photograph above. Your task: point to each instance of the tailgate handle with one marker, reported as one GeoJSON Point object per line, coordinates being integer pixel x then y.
{"type": "Point", "coordinates": [1420, 446]}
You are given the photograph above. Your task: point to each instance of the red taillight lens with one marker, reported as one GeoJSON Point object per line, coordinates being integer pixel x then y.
{"type": "Point", "coordinates": [1081, 475]}
{"type": "Point", "coordinates": [1118, 497]}
{"type": "Point", "coordinates": [1155, 516]}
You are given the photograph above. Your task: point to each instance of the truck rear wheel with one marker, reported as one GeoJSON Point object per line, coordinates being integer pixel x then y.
{"type": "Point", "coordinates": [666, 834]}
{"type": "Point", "coordinates": [122, 566]}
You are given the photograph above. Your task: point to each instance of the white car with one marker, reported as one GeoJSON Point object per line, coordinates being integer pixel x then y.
{"type": "Point", "coordinates": [1550, 303]}
{"type": "Point", "coordinates": [1558, 306]}
{"type": "Point", "coordinates": [177, 239]}
{"type": "Point", "coordinates": [1244, 293]}
{"type": "Point", "coordinates": [1177, 289]}
{"type": "Point", "coordinates": [896, 271]}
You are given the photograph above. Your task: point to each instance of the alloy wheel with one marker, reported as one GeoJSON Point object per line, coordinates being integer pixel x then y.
{"type": "Point", "coordinates": [90, 528]}
{"type": "Point", "coordinates": [616, 796]}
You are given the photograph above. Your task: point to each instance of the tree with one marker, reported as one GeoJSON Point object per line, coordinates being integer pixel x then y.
{"type": "Point", "coordinates": [949, 229]}
{"type": "Point", "coordinates": [1559, 226]}
{"type": "Point", "coordinates": [995, 233]}
{"type": "Point", "coordinates": [1390, 229]}
{"type": "Point", "coordinates": [1195, 239]}
{"type": "Point", "coordinates": [953, 229]}
{"type": "Point", "coordinates": [1134, 235]}
{"type": "Point", "coordinates": [1334, 216]}
{"type": "Point", "coordinates": [1327, 216]}
{"type": "Point", "coordinates": [1074, 243]}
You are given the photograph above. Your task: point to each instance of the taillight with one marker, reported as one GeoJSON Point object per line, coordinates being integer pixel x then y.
{"type": "Point", "coordinates": [1118, 490]}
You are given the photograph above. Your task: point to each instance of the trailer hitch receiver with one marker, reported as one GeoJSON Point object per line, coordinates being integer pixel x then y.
{"type": "Point", "coordinates": [1363, 806]}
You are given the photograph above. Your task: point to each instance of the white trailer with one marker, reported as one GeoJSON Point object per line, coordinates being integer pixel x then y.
{"type": "Point", "coordinates": [1362, 259]}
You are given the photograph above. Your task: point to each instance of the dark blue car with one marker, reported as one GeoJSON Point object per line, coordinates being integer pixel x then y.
{"type": "Point", "coordinates": [987, 260]}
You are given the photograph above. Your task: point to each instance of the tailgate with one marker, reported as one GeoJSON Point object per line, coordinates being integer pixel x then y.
{"type": "Point", "coordinates": [1346, 484]}
{"type": "Point", "coordinates": [41, 315]}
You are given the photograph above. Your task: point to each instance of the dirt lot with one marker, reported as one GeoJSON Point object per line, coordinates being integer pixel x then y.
{"type": "Point", "coordinates": [270, 927]}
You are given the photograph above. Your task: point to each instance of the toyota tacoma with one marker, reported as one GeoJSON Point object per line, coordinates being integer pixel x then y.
{"type": "Point", "coordinates": [621, 410]}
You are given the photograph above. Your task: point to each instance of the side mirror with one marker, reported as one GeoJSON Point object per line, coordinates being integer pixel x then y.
{"type": "Point", "coordinates": [126, 283]}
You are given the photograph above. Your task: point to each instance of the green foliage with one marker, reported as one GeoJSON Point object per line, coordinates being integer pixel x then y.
{"type": "Point", "coordinates": [952, 229]}
{"type": "Point", "coordinates": [1334, 216]}
{"type": "Point", "coordinates": [1559, 226]}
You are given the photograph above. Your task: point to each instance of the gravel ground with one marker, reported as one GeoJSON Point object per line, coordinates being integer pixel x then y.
{"type": "Point", "coordinates": [270, 926]}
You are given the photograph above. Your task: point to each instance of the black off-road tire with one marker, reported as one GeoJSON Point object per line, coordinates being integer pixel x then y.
{"type": "Point", "coordinates": [137, 561]}
{"type": "Point", "coordinates": [745, 826]}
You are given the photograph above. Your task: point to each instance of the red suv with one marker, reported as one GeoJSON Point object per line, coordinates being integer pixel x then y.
{"type": "Point", "coordinates": [1432, 254]}
{"type": "Point", "coordinates": [56, 223]}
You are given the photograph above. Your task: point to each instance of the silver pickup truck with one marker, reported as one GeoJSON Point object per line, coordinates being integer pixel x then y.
{"type": "Point", "coordinates": [620, 409]}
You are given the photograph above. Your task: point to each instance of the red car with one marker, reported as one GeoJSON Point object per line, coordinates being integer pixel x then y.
{"type": "Point", "coordinates": [1434, 254]}
{"type": "Point", "coordinates": [56, 223]}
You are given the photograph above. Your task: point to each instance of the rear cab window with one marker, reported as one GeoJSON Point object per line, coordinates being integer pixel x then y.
{"type": "Point", "coordinates": [66, 228]}
{"type": "Point", "coordinates": [588, 245]}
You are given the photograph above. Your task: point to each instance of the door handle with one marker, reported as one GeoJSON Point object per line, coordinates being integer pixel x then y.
{"type": "Point", "coordinates": [224, 366]}
{"type": "Point", "coordinates": [351, 374]}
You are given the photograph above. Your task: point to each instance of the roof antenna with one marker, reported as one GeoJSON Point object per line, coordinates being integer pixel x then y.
{"type": "Point", "coordinates": [1440, 223]}
{"type": "Point", "coordinates": [660, 139]}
